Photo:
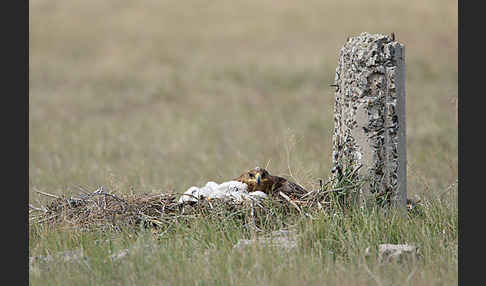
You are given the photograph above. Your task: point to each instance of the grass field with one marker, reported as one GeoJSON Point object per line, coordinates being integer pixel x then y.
{"type": "Point", "coordinates": [158, 96]}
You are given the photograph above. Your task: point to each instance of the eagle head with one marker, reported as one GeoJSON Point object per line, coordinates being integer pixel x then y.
{"type": "Point", "coordinates": [257, 179]}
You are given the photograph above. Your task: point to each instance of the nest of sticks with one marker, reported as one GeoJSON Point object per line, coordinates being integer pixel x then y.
{"type": "Point", "coordinates": [107, 210]}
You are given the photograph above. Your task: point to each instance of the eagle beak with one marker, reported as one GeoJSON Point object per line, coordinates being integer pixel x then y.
{"type": "Point", "coordinates": [258, 179]}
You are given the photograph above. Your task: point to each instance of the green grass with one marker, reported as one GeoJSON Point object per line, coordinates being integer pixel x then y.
{"type": "Point", "coordinates": [161, 96]}
{"type": "Point", "coordinates": [331, 250]}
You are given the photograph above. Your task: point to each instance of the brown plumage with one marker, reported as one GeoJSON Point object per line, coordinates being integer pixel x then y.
{"type": "Point", "coordinates": [258, 179]}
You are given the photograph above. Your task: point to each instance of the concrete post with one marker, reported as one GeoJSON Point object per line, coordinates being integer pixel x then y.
{"type": "Point", "coordinates": [369, 115]}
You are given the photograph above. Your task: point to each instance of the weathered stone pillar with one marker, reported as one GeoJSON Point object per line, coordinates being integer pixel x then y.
{"type": "Point", "coordinates": [369, 116]}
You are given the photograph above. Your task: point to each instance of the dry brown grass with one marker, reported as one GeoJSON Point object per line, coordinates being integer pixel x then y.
{"type": "Point", "coordinates": [163, 96]}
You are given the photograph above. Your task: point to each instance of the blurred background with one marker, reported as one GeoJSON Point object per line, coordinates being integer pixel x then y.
{"type": "Point", "coordinates": [158, 96]}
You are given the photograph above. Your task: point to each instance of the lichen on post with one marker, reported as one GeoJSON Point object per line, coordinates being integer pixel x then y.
{"type": "Point", "coordinates": [369, 116]}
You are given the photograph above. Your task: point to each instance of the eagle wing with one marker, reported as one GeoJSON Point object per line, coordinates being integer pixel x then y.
{"type": "Point", "coordinates": [287, 187]}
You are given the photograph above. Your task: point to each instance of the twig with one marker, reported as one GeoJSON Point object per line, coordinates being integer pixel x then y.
{"type": "Point", "coordinates": [320, 190]}
{"type": "Point", "coordinates": [342, 188]}
{"type": "Point", "coordinates": [115, 197]}
{"type": "Point", "coordinates": [47, 219]}
{"type": "Point", "coordinates": [290, 201]}
{"type": "Point", "coordinates": [308, 193]}
{"type": "Point", "coordinates": [154, 196]}
{"type": "Point", "coordinates": [36, 209]}
{"type": "Point", "coordinates": [46, 194]}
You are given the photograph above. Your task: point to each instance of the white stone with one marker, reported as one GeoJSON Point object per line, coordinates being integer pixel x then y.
{"type": "Point", "coordinates": [283, 239]}
{"type": "Point", "coordinates": [395, 252]}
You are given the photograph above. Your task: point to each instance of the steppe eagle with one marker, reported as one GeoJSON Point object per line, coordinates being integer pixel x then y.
{"type": "Point", "coordinates": [259, 179]}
